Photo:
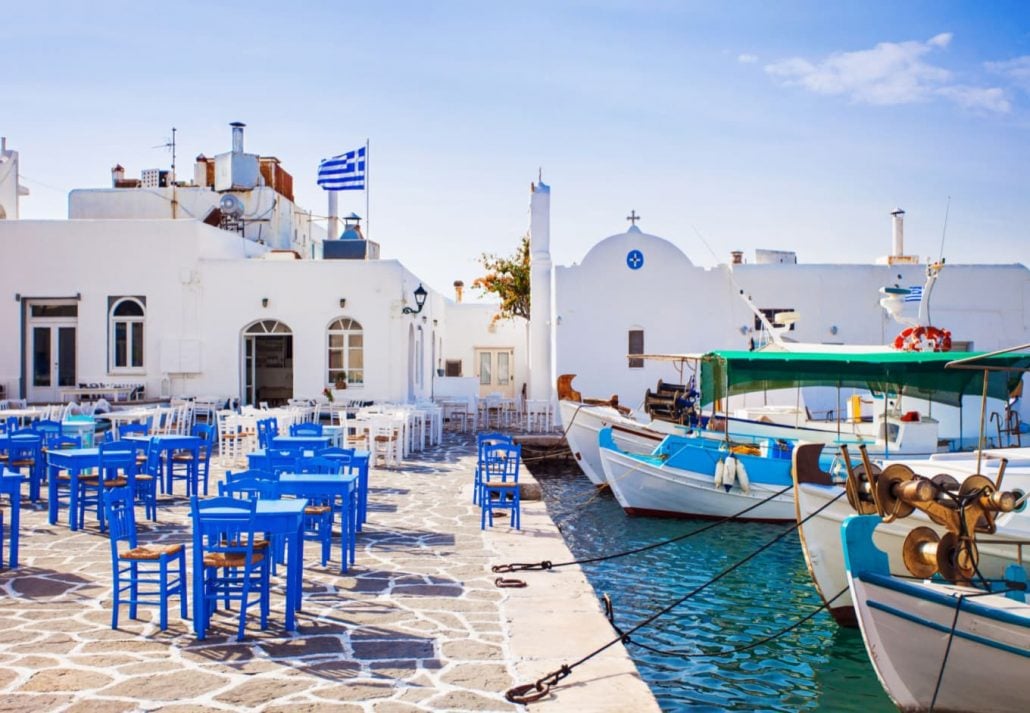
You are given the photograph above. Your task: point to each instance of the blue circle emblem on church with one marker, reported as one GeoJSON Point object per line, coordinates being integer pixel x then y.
{"type": "Point", "coordinates": [635, 259]}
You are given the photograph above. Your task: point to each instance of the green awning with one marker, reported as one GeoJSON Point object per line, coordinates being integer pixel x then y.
{"type": "Point", "coordinates": [917, 374]}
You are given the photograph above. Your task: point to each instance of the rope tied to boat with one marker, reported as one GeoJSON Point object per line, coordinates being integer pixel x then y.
{"type": "Point", "coordinates": [542, 686]}
{"type": "Point", "coordinates": [547, 564]}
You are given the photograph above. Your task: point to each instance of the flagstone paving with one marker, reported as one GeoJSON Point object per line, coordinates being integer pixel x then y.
{"type": "Point", "coordinates": [416, 625]}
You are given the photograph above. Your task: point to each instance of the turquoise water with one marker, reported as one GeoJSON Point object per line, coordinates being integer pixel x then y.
{"type": "Point", "coordinates": [817, 666]}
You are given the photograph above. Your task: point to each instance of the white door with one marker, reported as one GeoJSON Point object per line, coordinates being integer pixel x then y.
{"type": "Point", "coordinates": [50, 350]}
{"type": "Point", "coordinates": [494, 368]}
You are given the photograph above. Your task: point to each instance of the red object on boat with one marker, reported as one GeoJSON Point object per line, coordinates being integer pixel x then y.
{"type": "Point", "coordinates": [910, 416]}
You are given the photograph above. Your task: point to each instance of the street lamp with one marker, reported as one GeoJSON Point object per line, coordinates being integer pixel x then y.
{"type": "Point", "coordinates": [420, 300]}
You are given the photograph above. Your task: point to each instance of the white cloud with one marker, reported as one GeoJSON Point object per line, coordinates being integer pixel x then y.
{"type": "Point", "coordinates": [747, 58]}
{"type": "Point", "coordinates": [1017, 69]}
{"type": "Point", "coordinates": [888, 74]}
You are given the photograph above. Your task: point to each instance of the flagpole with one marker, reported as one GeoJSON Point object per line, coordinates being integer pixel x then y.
{"type": "Point", "coordinates": [368, 215]}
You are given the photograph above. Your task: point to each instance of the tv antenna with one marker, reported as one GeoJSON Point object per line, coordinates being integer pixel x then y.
{"type": "Point", "coordinates": [170, 144]}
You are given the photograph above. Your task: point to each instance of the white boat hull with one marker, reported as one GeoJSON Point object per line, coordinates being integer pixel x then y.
{"type": "Point", "coordinates": [582, 423]}
{"type": "Point", "coordinates": [954, 648]}
{"type": "Point", "coordinates": [645, 489]}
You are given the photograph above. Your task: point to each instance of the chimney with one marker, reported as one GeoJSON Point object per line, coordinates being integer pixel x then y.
{"type": "Point", "coordinates": [237, 136]}
{"type": "Point", "coordinates": [899, 232]}
{"type": "Point", "coordinates": [458, 287]}
{"type": "Point", "coordinates": [737, 257]}
{"type": "Point", "coordinates": [117, 174]}
{"type": "Point", "coordinates": [3, 144]}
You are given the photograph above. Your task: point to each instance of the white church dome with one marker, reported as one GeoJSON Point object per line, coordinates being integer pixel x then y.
{"type": "Point", "coordinates": [634, 249]}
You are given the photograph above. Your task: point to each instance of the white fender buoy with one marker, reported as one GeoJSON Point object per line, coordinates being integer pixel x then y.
{"type": "Point", "coordinates": [742, 479]}
{"type": "Point", "coordinates": [720, 470]}
{"type": "Point", "coordinates": [730, 474]}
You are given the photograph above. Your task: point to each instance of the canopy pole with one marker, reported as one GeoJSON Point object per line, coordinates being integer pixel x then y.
{"type": "Point", "coordinates": [838, 409]}
{"type": "Point", "coordinates": [886, 427]}
{"type": "Point", "coordinates": [983, 416]}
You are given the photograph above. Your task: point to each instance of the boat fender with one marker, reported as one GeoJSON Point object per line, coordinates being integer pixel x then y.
{"type": "Point", "coordinates": [729, 475]}
{"type": "Point", "coordinates": [742, 479]}
{"type": "Point", "coordinates": [720, 470]}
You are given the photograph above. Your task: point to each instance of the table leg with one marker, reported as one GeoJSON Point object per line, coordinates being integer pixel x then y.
{"type": "Point", "coordinates": [294, 569]}
{"type": "Point", "coordinates": [73, 501]}
{"type": "Point", "coordinates": [15, 528]}
{"type": "Point", "coordinates": [52, 504]}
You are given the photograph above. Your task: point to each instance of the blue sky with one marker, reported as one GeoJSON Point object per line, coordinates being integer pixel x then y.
{"type": "Point", "coordinates": [726, 125]}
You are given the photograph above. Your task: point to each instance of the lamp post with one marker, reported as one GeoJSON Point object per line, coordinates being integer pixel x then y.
{"type": "Point", "coordinates": [420, 300]}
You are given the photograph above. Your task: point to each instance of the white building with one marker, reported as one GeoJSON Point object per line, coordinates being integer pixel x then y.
{"type": "Point", "coordinates": [222, 286]}
{"type": "Point", "coordinates": [638, 293]}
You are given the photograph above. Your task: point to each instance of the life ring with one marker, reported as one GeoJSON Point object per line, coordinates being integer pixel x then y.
{"type": "Point", "coordinates": [923, 339]}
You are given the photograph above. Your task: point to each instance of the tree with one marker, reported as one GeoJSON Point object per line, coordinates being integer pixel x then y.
{"type": "Point", "coordinates": [508, 278]}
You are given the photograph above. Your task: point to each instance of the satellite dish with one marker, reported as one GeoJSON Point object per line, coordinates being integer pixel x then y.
{"type": "Point", "coordinates": [231, 205]}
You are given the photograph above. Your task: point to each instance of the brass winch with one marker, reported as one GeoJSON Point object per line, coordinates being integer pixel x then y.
{"type": "Point", "coordinates": [962, 509]}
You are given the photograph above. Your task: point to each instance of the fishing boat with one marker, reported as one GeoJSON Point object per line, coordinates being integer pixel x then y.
{"type": "Point", "coordinates": [939, 645]}
{"type": "Point", "coordinates": [698, 476]}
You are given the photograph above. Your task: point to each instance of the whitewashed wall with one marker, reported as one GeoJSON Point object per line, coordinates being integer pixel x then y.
{"type": "Point", "coordinates": [468, 327]}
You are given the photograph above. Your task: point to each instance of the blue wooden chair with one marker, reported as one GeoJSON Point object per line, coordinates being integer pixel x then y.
{"type": "Point", "coordinates": [249, 488]}
{"type": "Point", "coordinates": [282, 460]}
{"type": "Point", "coordinates": [306, 429]}
{"type": "Point", "coordinates": [207, 433]}
{"type": "Point", "coordinates": [141, 430]}
{"type": "Point", "coordinates": [267, 429]}
{"type": "Point", "coordinates": [116, 470]}
{"type": "Point", "coordinates": [483, 442]}
{"type": "Point", "coordinates": [141, 573]}
{"type": "Point", "coordinates": [25, 450]}
{"type": "Point", "coordinates": [46, 427]}
{"type": "Point", "coordinates": [226, 561]}
{"type": "Point", "coordinates": [499, 489]}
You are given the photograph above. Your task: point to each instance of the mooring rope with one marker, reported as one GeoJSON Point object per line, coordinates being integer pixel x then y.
{"type": "Point", "coordinates": [609, 612]}
{"type": "Point", "coordinates": [547, 564]}
{"type": "Point", "coordinates": [529, 692]}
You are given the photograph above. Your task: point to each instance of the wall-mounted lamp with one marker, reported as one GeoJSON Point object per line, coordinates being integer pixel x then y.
{"type": "Point", "coordinates": [17, 297]}
{"type": "Point", "coordinates": [833, 329]}
{"type": "Point", "coordinates": [436, 323]}
{"type": "Point", "coordinates": [420, 300]}
{"type": "Point", "coordinates": [343, 302]}
{"type": "Point", "coordinates": [264, 301]}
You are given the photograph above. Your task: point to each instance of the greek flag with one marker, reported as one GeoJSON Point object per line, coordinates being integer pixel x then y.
{"type": "Point", "coordinates": [915, 294]}
{"type": "Point", "coordinates": [345, 172]}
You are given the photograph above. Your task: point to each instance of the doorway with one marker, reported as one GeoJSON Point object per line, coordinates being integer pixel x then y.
{"type": "Point", "coordinates": [50, 349]}
{"type": "Point", "coordinates": [494, 369]}
{"type": "Point", "coordinates": [267, 363]}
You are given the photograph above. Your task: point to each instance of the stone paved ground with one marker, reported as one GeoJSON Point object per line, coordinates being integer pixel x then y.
{"type": "Point", "coordinates": [417, 624]}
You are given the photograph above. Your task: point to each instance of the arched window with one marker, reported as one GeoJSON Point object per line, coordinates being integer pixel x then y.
{"type": "Point", "coordinates": [346, 352]}
{"type": "Point", "coordinates": [125, 350]}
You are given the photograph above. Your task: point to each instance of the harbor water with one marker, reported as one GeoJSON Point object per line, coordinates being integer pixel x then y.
{"type": "Point", "coordinates": [708, 654]}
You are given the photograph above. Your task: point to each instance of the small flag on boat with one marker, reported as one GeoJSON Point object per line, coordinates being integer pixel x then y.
{"type": "Point", "coordinates": [345, 172]}
{"type": "Point", "coordinates": [915, 294]}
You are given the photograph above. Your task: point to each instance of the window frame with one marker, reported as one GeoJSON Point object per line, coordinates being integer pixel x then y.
{"type": "Point", "coordinates": [132, 324]}
{"type": "Point", "coordinates": [353, 328]}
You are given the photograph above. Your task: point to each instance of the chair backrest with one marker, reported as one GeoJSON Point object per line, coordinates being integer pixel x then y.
{"type": "Point", "coordinates": [306, 429]}
{"type": "Point", "coordinates": [485, 440]}
{"type": "Point", "coordinates": [253, 473]}
{"type": "Point", "coordinates": [249, 488]}
{"type": "Point", "coordinates": [133, 429]}
{"type": "Point", "coordinates": [223, 525]}
{"type": "Point", "coordinates": [204, 431]}
{"type": "Point", "coordinates": [267, 429]}
{"type": "Point", "coordinates": [281, 460]}
{"type": "Point", "coordinates": [58, 443]}
{"type": "Point", "coordinates": [121, 517]}
{"type": "Point", "coordinates": [117, 458]}
{"type": "Point", "coordinates": [501, 462]}
{"type": "Point", "coordinates": [334, 452]}
{"type": "Point", "coordinates": [318, 464]}
{"type": "Point", "coordinates": [46, 426]}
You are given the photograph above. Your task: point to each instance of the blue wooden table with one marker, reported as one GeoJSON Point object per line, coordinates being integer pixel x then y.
{"type": "Point", "coordinates": [357, 463]}
{"type": "Point", "coordinates": [75, 461]}
{"type": "Point", "coordinates": [275, 517]}
{"type": "Point", "coordinates": [10, 483]}
{"type": "Point", "coordinates": [344, 487]}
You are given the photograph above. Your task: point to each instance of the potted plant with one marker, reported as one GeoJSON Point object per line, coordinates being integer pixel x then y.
{"type": "Point", "coordinates": [341, 381]}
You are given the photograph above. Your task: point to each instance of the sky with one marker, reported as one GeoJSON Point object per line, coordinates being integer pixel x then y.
{"type": "Point", "coordinates": [792, 125]}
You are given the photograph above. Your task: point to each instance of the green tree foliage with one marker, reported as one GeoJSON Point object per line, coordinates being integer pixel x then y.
{"type": "Point", "coordinates": [508, 278]}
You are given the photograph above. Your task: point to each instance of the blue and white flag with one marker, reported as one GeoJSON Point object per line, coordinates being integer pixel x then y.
{"type": "Point", "coordinates": [345, 172]}
{"type": "Point", "coordinates": [915, 294]}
